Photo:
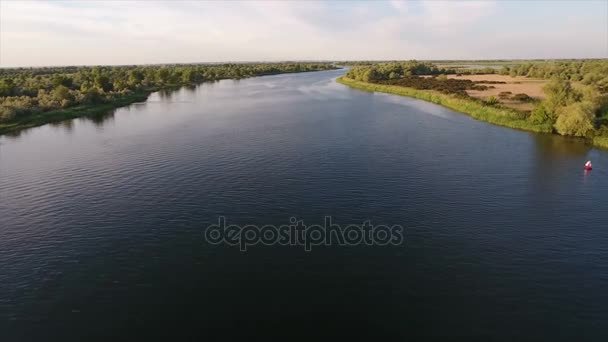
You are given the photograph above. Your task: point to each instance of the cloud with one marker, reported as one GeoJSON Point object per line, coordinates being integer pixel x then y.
{"type": "Point", "coordinates": [399, 5]}
{"type": "Point", "coordinates": [452, 16]}
{"type": "Point", "coordinates": [127, 32]}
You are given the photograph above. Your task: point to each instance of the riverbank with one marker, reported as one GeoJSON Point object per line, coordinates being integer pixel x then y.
{"type": "Point", "coordinates": [43, 118]}
{"type": "Point", "coordinates": [32, 116]}
{"type": "Point", "coordinates": [498, 116]}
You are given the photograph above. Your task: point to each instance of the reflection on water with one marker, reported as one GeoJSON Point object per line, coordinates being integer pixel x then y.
{"type": "Point", "coordinates": [67, 125]}
{"type": "Point", "coordinates": [166, 94]}
{"type": "Point", "coordinates": [550, 146]}
{"type": "Point", "coordinates": [556, 158]}
{"type": "Point", "coordinates": [101, 118]}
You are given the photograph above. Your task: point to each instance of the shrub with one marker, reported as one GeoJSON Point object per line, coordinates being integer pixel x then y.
{"type": "Point", "coordinates": [491, 101]}
{"type": "Point", "coordinates": [479, 87]}
{"type": "Point", "coordinates": [491, 82]}
{"type": "Point", "coordinates": [575, 119]}
{"type": "Point", "coordinates": [521, 97]}
{"type": "Point", "coordinates": [62, 93]}
{"type": "Point", "coordinates": [447, 86]}
{"type": "Point", "coordinates": [7, 113]}
{"type": "Point", "coordinates": [504, 94]}
{"type": "Point", "coordinates": [540, 115]}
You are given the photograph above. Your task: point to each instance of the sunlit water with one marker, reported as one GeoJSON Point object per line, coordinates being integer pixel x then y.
{"type": "Point", "coordinates": [102, 220]}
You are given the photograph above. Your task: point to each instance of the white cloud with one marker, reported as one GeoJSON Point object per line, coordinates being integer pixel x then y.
{"type": "Point", "coordinates": [118, 32]}
{"type": "Point", "coordinates": [451, 16]}
{"type": "Point", "coordinates": [399, 5]}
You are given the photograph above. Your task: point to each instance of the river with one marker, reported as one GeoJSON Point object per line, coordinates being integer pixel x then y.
{"type": "Point", "coordinates": [103, 220]}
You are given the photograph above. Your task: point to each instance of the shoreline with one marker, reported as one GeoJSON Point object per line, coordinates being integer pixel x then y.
{"type": "Point", "coordinates": [88, 110]}
{"type": "Point", "coordinates": [41, 119]}
{"type": "Point", "coordinates": [498, 116]}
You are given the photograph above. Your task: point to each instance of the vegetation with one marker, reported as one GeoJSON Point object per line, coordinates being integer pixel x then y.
{"type": "Point", "coordinates": [588, 72]}
{"type": "Point", "coordinates": [580, 111]}
{"type": "Point", "coordinates": [385, 71]}
{"type": "Point", "coordinates": [521, 97]}
{"type": "Point", "coordinates": [446, 86]}
{"type": "Point", "coordinates": [35, 96]}
{"type": "Point", "coordinates": [477, 109]}
{"type": "Point", "coordinates": [504, 94]}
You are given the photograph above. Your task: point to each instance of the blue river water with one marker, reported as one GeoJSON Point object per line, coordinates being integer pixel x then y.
{"type": "Point", "coordinates": [102, 221]}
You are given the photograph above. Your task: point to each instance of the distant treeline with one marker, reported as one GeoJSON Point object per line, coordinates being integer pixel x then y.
{"type": "Point", "coordinates": [31, 91]}
{"type": "Point", "coordinates": [576, 111]}
{"type": "Point", "coordinates": [590, 72]}
{"type": "Point", "coordinates": [394, 70]}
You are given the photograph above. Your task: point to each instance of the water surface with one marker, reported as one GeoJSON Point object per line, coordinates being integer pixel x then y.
{"type": "Point", "coordinates": [102, 220]}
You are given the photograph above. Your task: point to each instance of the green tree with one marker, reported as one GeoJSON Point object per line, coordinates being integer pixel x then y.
{"type": "Point", "coordinates": [62, 93]}
{"type": "Point", "coordinates": [163, 75]}
{"type": "Point", "coordinates": [59, 80]}
{"type": "Point", "coordinates": [7, 87]}
{"type": "Point", "coordinates": [103, 82]}
{"type": "Point", "coordinates": [371, 75]}
{"type": "Point", "coordinates": [540, 115]}
{"type": "Point", "coordinates": [188, 76]}
{"type": "Point", "coordinates": [135, 77]}
{"type": "Point", "coordinates": [93, 96]}
{"type": "Point", "coordinates": [575, 119]}
{"type": "Point", "coordinates": [559, 94]}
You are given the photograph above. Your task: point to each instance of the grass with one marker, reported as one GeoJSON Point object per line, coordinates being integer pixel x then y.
{"type": "Point", "coordinates": [42, 118]}
{"type": "Point", "coordinates": [495, 115]}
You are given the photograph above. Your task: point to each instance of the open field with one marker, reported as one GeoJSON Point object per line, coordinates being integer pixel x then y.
{"type": "Point", "coordinates": [533, 87]}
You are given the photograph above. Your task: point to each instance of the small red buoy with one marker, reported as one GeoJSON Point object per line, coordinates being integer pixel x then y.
{"type": "Point", "coordinates": [588, 166]}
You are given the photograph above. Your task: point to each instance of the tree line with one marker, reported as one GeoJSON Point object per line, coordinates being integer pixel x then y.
{"type": "Point", "coordinates": [27, 91]}
{"type": "Point", "coordinates": [394, 70]}
{"type": "Point", "coordinates": [589, 72]}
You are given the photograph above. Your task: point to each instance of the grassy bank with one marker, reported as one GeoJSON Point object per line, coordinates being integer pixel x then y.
{"type": "Point", "coordinates": [498, 116]}
{"type": "Point", "coordinates": [39, 119]}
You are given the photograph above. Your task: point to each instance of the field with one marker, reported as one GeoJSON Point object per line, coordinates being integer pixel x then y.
{"type": "Point", "coordinates": [516, 85]}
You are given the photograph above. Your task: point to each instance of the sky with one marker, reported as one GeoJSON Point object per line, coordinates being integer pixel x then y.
{"type": "Point", "coordinates": [40, 33]}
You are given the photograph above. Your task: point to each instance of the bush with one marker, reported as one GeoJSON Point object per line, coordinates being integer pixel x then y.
{"type": "Point", "coordinates": [575, 119]}
{"type": "Point", "coordinates": [92, 96]}
{"type": "Point", "coordinates": [62, 93]}
{"type": "Point", "coordinates": [491, 101]}
{"type": "Point", "coordinates": [447, 86]}
{"type": "Point", "coordinates": [521, 97]}
{"type": "Point", "coordinates": [504, 94]}
{"type": "Point", "coordinates": [540, 115]}
{"type": "Point", "coordinates": [7, 113]}
{"type": "Point", "coordinates": [479, 87]}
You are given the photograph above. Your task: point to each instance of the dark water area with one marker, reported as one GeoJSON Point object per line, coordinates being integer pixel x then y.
{"type": "Point", "coordinates": [102, 221]}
